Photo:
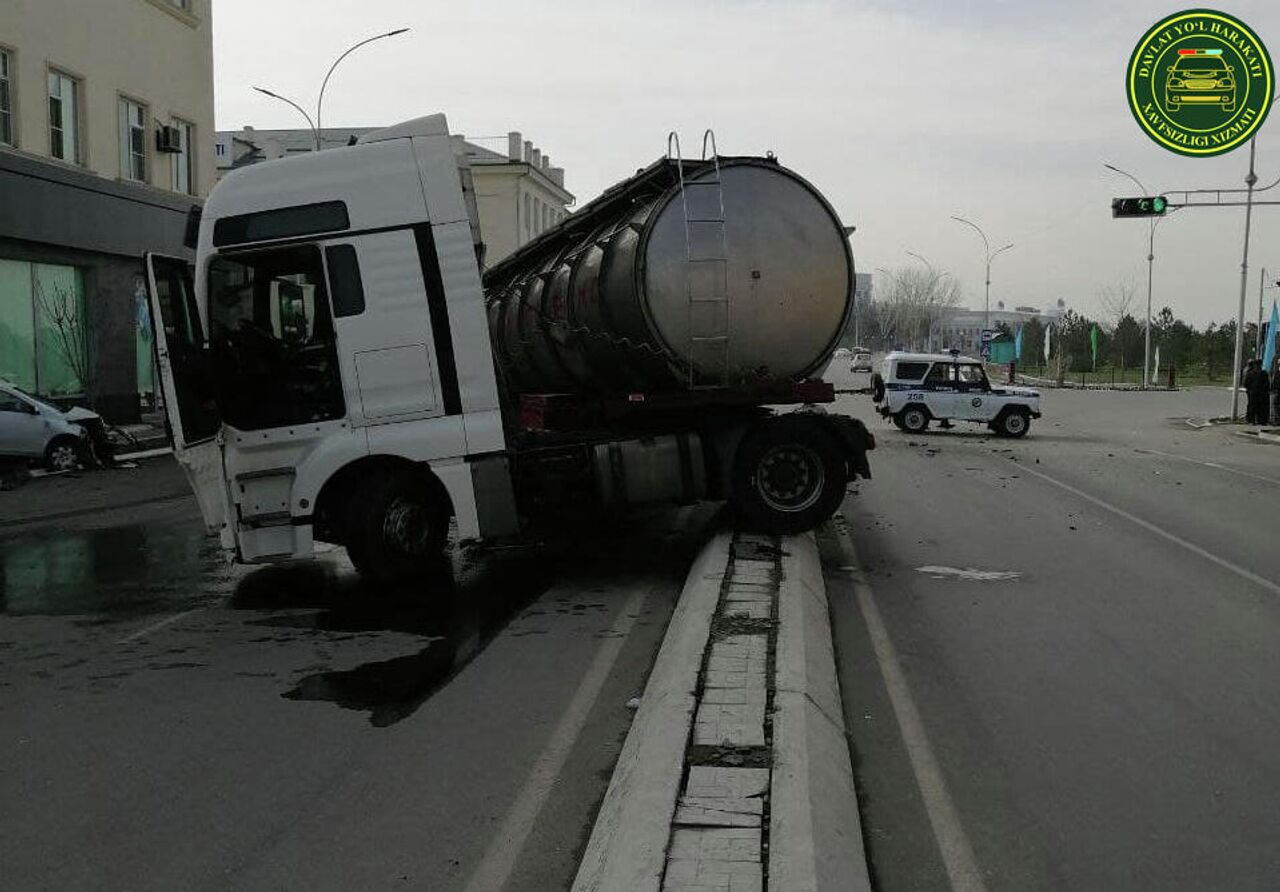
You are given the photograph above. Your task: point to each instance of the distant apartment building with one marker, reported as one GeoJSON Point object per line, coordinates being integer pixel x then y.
{"type": "Point", "coordinates": [962, 327]}
{"type": "Point", "coordinates": [518, 192]}
{"type": "Point", "coordinates": [106, 126]}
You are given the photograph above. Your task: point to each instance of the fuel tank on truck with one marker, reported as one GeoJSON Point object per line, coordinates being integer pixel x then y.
{"type": "Point", "coordinates": [689, 274]}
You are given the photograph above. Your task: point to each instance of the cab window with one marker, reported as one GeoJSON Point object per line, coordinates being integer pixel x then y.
{"type": "Point", "coordinates": [272, 338]}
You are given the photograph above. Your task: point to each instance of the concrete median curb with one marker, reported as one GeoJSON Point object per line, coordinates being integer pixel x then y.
{"type": "Point", "coordinates": [756, 741]}
{"type": "Point", "coordinates": [815, 835]}
{"type": "Point", "coordinates": [628, 845]}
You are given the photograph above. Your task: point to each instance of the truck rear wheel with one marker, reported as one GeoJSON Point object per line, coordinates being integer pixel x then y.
{"type": "Point", "coordinates": [396, 528]}
{"type": "Point", "coordinates": [789, 476]}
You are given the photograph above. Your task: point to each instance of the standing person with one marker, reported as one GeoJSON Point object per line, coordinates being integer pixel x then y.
{"type": "Point", "coordinates": [1262, 387]}
{"type": "Point", "coordinates": [1250, 382]}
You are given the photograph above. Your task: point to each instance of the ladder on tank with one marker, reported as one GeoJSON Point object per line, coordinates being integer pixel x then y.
{"type": "Point", "coordinates": [706, 268]}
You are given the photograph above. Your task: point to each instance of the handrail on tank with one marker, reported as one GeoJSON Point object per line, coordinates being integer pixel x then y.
{"type": "Point", "coordinates": [673, 136]}
{"type": "Point", "coordinates": [715, 153]}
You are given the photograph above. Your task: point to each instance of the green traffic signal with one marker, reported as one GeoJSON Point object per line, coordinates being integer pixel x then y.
{"type": "Point", "coordinates": [1146, 206]}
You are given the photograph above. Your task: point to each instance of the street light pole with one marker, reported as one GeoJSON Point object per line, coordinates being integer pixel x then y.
{"type": "Point", "coordinates": [986, 313]}
{"type": "Point", "coordinates": [310, 123]}
{"type": "Point", "coordinates": [336, 62]}
{"type": "Point", "coordinates": [1250, 180]}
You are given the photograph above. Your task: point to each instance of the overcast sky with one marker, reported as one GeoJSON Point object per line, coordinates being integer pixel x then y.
{"type": "Point", "coordinates": [901, 113]}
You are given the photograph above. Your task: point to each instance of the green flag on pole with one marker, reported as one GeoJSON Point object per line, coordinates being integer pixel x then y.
{"type": "Point", "coordinates": [1093, 344]}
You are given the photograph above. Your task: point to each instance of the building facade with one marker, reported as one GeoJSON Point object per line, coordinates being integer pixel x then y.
{"type": "Point", "coordinates": [106, 125]}
{"type": "Point", "coordinates": [518, 192]}
{"type": "Point", "coordinates": [962, 328]}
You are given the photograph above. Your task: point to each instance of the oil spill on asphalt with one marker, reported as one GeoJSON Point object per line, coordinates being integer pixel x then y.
{"type": "Point", "coordinates": [122, 571]}
{"type": "Point", "coordinates": [456, 611]}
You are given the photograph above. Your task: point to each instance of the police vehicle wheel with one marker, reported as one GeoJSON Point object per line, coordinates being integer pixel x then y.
{"type": "Point", "coordinates": [788, 476]}
{"type": "Point", "coordinates": [877, 387]}
{"type": "Point", "coordinates": [396, 528]}
{"type": "Point", "coordinates": [1013, 423]}
{"type": "Point", "coordinates": [913, 420]}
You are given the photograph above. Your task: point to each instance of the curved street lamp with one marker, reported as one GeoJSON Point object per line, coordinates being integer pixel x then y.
{"type": "Point", "coordinates": [336, 62]}
{"type": "Point", "coordinates": [990, 255]}
{"type": "Point", "coordinates": [310, 123]}
{"type": "Point", "coordinates": [316, 124]}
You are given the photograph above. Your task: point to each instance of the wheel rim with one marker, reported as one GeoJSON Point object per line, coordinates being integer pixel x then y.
{"type": "Point", "coordinates": [790, 478]}
{"type": "Point", "coordinates": [407, 526]}
{"type": "Point", "coordinates": [62, 458]}
{"type": "Point", "coordinates": [1015, 424]}
{"type": "Point", "coordinates": [914, 420]}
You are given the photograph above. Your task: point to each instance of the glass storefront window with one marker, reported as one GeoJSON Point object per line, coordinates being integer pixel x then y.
{"type": "Point", "coordinates": [42, 328]}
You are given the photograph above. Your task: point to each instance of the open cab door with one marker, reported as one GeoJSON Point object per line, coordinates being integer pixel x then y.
{"type": "Point", "coordinates": [186, 382]}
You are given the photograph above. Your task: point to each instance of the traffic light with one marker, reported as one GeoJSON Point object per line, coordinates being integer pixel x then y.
{"type": "Point", "coordinates": [1147, 206]}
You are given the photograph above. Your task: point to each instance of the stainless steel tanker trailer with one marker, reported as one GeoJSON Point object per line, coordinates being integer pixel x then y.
{"type": "Point", "coordinates": [369, 383]}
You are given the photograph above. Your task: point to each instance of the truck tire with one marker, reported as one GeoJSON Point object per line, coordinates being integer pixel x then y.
{"type": "Point", "coordinates": [788, 476]}
{"type": "Point", "coordinates": [1012, 423]}
{"type": "Point", "coordinates": [913, 420]}
{"type": "Point", "coordinates": [397, 527]}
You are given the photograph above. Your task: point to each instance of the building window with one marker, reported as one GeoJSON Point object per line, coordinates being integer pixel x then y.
{"type": "Point", "coordinates": [42, 330]}
{"type": "Point", "coordinates": [528, 228]}
{"type": "Point", "coordinates": [184, 160]}
{"type": "Point", "coordinates": [133, 140]}
{"type": "Point", "coordinates": [6, 99]}
{"type": "Point", "coordinates": [64, 117]}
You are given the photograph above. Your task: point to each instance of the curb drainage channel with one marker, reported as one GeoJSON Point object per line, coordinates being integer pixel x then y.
{"type": "Point", "coordinates": [720, 830]}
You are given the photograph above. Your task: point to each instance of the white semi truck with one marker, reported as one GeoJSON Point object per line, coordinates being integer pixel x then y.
{"type": "Point", "coordinates": [336, 367]}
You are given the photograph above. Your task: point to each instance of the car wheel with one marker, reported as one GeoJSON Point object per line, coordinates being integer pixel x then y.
{"type": "Point", "coordinates": [913, 420]}
{"type": "Point", "coordinates": [1014, 423]}
{"type": "Point", "coordinates": [789, 476]}
{"type": "Point", "coordinates": [62, 454]}
{"type": "Point", "coordinates": [397, 526]}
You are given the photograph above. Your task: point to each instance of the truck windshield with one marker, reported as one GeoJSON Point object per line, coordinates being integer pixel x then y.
{"type": "Point", "coordinates": [272, 339]}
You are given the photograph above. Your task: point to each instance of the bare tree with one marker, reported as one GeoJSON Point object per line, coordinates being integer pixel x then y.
{"type": "Point", "coordinates": [915, 302]}
{"type": "Point", "coordinates": [63, 309]}
{"type": "Point", "coordinates": [1117, 301]}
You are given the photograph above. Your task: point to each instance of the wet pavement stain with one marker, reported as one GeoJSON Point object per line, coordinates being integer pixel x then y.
{"type": "Point", "coordinates": [455, 611]}
{"type": "Point", "coordinates": [118, 572]}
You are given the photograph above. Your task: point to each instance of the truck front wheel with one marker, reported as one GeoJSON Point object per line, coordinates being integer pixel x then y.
{"type": "Point", "coordinates": [396, 528]}
{"type": "Point", "coordinates": [788, 476]}
{"type": "Point", "coordinates": [1012, 423]}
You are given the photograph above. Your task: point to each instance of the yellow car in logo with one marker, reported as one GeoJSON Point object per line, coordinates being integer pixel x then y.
{"type": "Point", "coordinates": [1200, 77]}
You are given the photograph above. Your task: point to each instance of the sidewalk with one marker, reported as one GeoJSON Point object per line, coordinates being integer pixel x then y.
{"type": "Point", "coordinates": [736, 774]}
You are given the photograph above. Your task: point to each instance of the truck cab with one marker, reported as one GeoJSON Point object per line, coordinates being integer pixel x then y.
{"type": "Point", "coordinates": [329, 376]}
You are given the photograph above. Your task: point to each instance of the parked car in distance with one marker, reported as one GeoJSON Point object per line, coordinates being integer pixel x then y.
{"type": "Point", "coordinates": [914, 389]}
{"type": "Point", "coordinates": [31, 430]}
{"type": "Point", "coordinates": [861, 362]}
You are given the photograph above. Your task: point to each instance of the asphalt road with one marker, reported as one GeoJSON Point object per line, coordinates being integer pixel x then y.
{"type": "Point", "coordinates": [170, 722]}
{"type": "Point", "coordinates": [1103, 712]}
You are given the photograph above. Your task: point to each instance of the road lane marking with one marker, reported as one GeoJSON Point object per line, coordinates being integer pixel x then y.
{"type": "Point", "coordinates": [504, 848]}
{"type": "Point", "coordinates": [157, 626]}
{"type": "Point", "coordinates": [1209, 464]}
{"type": "Point", "coordinates": [1159, 531]}
{"type": "Point", "coordinates": [953, 842]}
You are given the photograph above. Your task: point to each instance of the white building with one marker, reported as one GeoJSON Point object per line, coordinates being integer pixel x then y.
{"type": "Point", "coordinates": [519, 193]}
{"type": "Point", "coordinates": [962, 327]}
